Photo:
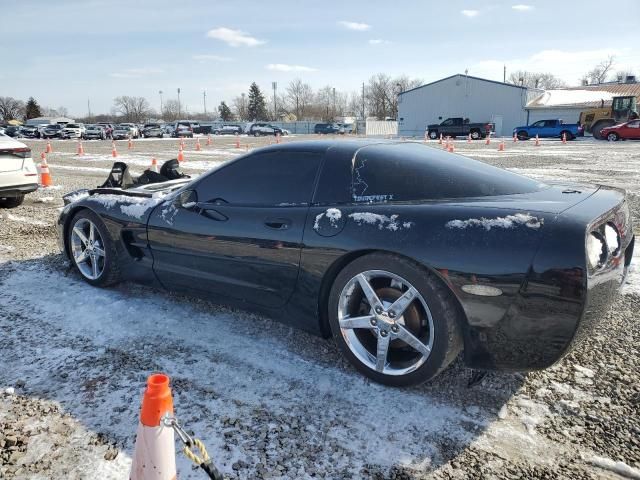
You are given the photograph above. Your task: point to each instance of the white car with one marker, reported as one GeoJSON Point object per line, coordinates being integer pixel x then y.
{"type": "Point", "coordinates": [73, 130]}
{"type": "Point", "coordinates": [18, 174]}
{"type": "Point", "coordinates": [133, 128]}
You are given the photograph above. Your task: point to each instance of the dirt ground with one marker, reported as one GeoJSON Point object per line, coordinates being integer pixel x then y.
{"type": "Point", "coordinates": [273, 402]}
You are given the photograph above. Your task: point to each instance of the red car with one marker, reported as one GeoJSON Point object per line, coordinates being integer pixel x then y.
{"type": "Point", "coordinates": [624, 131]}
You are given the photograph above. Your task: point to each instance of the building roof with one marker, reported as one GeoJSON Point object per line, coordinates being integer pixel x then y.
{"type": "Point", "coordinates": [35, 121]}
{"type": "Point", "coordinates": [587, 96]}
{"type": "Point", "coordinates": [466, 76]}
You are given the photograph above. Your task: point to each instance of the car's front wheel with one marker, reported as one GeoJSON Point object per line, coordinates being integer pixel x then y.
{"type": "Point", "coordinates": [91, 250]}
{"type": "Point", "coordinates": [393, 320]}
{"type": "Point", "coordinates": [613, 137]}
{"type": "Point", "coordinates": [11, 202]}
{"type": "Point", "coordinates": [433, 135]}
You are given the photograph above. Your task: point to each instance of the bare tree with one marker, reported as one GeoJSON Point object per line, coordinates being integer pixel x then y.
{"type": "Point", "coordinates": [600, 72]}
{"type": "Point", "coordinates": [240, 105]}
{"type": "Point", "coordinates": [382, 94]}
{"type": "Point", "coordinates": [132, 109]}
{"type": "Point", "coordinates": [11, 109]}
{"type": "Point", "coordinates": [300, 96]}
{"type": "Point", "coordinates": [544, 81]}
{"type": "Point", "coordinates": [170, 110]}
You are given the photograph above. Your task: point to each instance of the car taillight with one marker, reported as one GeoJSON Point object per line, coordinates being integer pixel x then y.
{"type": "Point", "coordinates": [21, 152]}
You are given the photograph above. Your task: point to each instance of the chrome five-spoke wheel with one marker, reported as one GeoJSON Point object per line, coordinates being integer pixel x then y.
{"type": "Point", "coordinates": [385, 322]}
{"type": "Point", "coordinates": [87, 249]}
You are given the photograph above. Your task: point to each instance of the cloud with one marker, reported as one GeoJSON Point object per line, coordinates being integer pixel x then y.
{"type": "Point", "coordinates": [282, 67]}
{"type": "Point", "coordinates": [378, 41]}
{"type": "Point", "coordinates": [211, 58]}
{"type": "Point", "coordinates": [470, 13]}
{"type": "Point", "coordinates": [522, 8]}
{"type": "Point", "coordinates": [234, 38]}
{"type": "Point", "coordinates": [136, 72]}
{"type": "Point", "coordinates": [360, 27]}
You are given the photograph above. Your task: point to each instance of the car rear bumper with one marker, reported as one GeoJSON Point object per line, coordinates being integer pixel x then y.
{"type": "Point", "coordinates": [15, 190]}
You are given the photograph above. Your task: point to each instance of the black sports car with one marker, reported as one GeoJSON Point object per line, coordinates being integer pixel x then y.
{"type": "Point", "coordinates": [404, 253]}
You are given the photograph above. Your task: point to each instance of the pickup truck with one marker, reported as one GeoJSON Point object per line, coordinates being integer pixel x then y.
{"type": "Point", "coordinates": [460, 127]}
{"type": "Point", "coordinates": [549, 129]}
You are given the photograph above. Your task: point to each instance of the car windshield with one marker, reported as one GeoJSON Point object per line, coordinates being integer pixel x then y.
{"type": "Point", "coordinates": [72, 125]}
{"type": "Point", "coordinates": [152, 125]}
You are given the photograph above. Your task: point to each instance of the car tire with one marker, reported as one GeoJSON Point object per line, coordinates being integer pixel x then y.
{"type": "Point", "coordinates": [11, 202]}
{"type": "Point", "coordinates": [475, 135]}
{"type": "Point", "coordinates": [522, 135]}
{"type": "Point", "coordinates": [613, 137]}
{"type": "Point", "coordinates": [107, 271]}
{"type": "Point", "coordinates": [568, 135]}
{"type": "Point", "coordinates": [432, 319]}
{"type": "Point", "coordinates": [433, 135]}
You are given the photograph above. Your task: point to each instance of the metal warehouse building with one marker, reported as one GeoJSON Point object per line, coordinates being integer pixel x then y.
{"type": "Point", "coordinates": [567, 103]}
{"type": "Point", "coordinates": [478, 99]}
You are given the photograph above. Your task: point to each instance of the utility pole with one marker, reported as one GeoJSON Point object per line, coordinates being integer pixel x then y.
{"type": "Point", "coordinates": [243, 113]}
{"type": "Point", "coordinates": [504, 74]}
{"type": "Point", "coordinates": [178, 102]}
{"type": "Point", "coordinates": [204, 100]}
{"type": "Point", "coordinates": [160, 93]}
{"type": "Point", "coordinates": [362, 100]}
{"type": "Point", "coordinates": [89, 107]}
{"type": "Point", "coordinates": [275, 109]}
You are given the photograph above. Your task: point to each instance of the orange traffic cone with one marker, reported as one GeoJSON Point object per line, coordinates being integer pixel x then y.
{"type": "Point", "coordinates": [114, 152]}
{"type": "Point", "coordinates": [154, 165]}
{"type": "Point", "coordinates": [49, 149]}
{"type": "Point", "coordinates": [45, 175]}
{"type": "Point", "coordinates": [180, 154]}
{"type": "Point", "coordinates": [564, 138]}
{"type": "Point", "coordinates": [501, 146]}
{"type": "Point", "coordinates": [469, 139]}
{"type": "Point", "coordinates": [198, 148]}
{"type": "Point", "coordinates": [154, 455]}
{"type": "Point", "coordinates": [130, 144]}
{"type": "Point", "coordinates": [515, 138]}
{"type": "Point", "coordinates": [537, 144]}
{"type": "Point", "coordinates": [426, 137]}
{"type": "Point", "coordinates": [440, 141]}
{"type": "Point", "coordinates": [80, 149]}
{"type": "Point", "coordinates": [237, 141]}
{"type": "Point", "coordinates": [208, 140]}
{"type": "Point", "coordinates": [488, 141]}
{"type": "Point", "coordinates": [451, 148]}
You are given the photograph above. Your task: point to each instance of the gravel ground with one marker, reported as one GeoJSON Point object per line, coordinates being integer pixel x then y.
{"type": "Point", "coordinates": [272, 402]}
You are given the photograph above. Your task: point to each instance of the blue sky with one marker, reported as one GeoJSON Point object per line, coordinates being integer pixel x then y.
{"type": "Point", "coordinates": [63, 53]}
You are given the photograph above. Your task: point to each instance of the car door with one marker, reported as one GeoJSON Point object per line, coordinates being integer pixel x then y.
{"type": "Point", "coordinates": [631, 130]}
{"type": "Point", "coordinates": [238, 232]}
{"type": "Point", "coordinates": [536, 128]}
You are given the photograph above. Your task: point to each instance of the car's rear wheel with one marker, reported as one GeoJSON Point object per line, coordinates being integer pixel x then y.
{"type": "Point", "coordinates": [393, 320]}
{"type": "Point", "coordinates": [433, 135]}
{"type": "Point", "coordinates": [613, 137]}
{"type": "Point", "coordinates": [91, 250]}
{"type": "Point", "coordinates": [475, 135]}
{"type": "Point", "coordinates": [11, 202]}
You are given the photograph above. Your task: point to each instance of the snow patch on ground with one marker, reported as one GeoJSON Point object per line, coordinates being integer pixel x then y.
{"type": "Point", "coordinates": [381, 221]}
{"type": "Point", "coordinates": [28, 221]}
{"type": "Point", "coordinates": [618, 467]}
{"type": "Point", "coordinates": [44, 200]}
{"type": "Point", "coordinates": [632, 283]}
{"type": "Point", "coordinates": [510, 221]}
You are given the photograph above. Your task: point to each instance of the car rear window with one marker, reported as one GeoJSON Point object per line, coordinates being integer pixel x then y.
{"type": "Point", "coordinates": [408, 172]}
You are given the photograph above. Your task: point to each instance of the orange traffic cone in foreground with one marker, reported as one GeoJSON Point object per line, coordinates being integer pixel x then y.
{"type": "Point", "coordinates": [501, 146]}
{"type": "Point", "coordinates": [198, 147]}
{"type": "Point", "coordinates": [469, 139]}
{"type": "Point", "coordinates": [208, 140]}
{"type": "Point", "coordinates": [515, 138]}
{"type": "Point", "coordinates": [488, 141]}
{"type": "Point", "coordinates": [130, 144]}
{"type": "Point", "coordinates": [180, 154]}
{"type": "Point", "coordinates": [49, 149]}
{"type": "Point", "coordinates": [537, 144]}
{"type": "Point", "coordinates": [45, 175]}
{"type": "Point", "coordinates": [564, 138]}
{"type": "Point", "coordinates": [440, 141]}
{"type": "Point", "coordinates": [154, 165]}
{"type": "Point", "coordinates": [154, 456]}
{"type": "Point", "coordinates": [80, 149]}
{"type": "Point", "coordinates": [114, 152]}
{"type": "Point", "coordinates": [237, 141]}
{"type": "Point", "coordinates": [451, 148]}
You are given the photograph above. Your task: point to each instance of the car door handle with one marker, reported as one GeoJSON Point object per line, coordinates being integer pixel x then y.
{"type": "Point", "coordinates": [278, 223]}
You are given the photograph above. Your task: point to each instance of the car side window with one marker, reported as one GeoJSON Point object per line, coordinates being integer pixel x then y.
{"type": "Point", "coordinates": [538, 124]}
{"type": "Point", "coordinates": [635, 124]}
{"type": "Point", "coordinates": [447, 122]}
{"type": "Point", "coordinates": [269, 178]}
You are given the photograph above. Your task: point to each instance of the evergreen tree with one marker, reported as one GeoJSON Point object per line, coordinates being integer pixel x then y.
{"type": "Point", "coordinates": [257, 108]}
{"type": "Point", "coordinates": [225, 112]}
{"type": "Point", "coordinates": [32, 109]}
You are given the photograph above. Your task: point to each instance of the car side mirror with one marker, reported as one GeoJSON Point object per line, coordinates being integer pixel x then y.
{"type": "Point", "coordinates": [187, 199]}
